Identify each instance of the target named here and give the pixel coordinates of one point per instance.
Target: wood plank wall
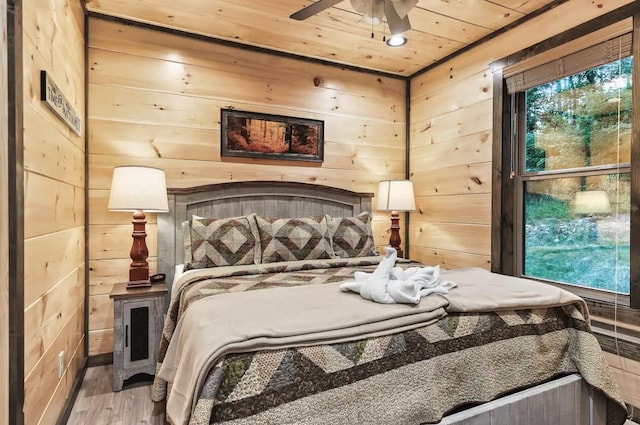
(450, 154)
(4, 222)
(155, 99)
(54, 190)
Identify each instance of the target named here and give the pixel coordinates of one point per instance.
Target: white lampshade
(138, 188)
(396, 195)
(592, 202)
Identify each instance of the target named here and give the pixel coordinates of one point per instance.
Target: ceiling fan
(373, 11)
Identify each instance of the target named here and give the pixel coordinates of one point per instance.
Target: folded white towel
(388, 284)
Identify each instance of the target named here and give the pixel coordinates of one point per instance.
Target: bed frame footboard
(565, 401)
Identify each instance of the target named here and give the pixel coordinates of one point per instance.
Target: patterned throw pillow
(291, 239)
(352, 236)
(219, 242)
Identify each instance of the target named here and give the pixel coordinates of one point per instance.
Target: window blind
(591, 57)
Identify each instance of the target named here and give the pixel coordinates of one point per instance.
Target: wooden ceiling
(439, 27)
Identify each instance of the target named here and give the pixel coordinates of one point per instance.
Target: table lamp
(592, 202)
(138, 189)
(396, 196)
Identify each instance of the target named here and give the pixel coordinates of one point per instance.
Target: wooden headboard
(266, 198)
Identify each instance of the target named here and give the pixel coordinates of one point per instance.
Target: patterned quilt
(413, 377)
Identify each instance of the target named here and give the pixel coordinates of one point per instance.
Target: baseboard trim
(71, 400)
(100, 360)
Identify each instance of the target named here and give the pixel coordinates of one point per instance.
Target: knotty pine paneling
(460, 180)
(184, 173)
(49, 314)
(450, 98)
(472, 208)
(42, 380)
(4, 223)
(428, 130)
(100, 312)
(199, 53)
(51, 257)
(54, 208)
(460, 237)
(489, 14)
(50, 152)
(51, 205)
(454, 152)
(451, 259)
(451, 116)
(101, 341)
(155, 99)
(108, 68)
(426, 20)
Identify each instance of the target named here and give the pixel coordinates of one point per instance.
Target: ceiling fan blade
(397, 25)
(372, 11)
(312, 9)
(403, 6)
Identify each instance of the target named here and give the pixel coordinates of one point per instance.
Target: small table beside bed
(259, 332)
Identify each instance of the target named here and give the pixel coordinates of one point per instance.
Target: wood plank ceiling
(439, 27)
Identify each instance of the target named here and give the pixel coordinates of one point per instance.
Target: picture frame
(269, 136)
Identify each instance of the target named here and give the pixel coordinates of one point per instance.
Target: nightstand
(138, 317)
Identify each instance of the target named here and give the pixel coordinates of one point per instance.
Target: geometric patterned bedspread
(412, 377)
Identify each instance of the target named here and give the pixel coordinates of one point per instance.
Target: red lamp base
(394, 239)
(139, 269)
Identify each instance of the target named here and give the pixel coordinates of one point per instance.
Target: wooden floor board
(101, 406)
(97, 404)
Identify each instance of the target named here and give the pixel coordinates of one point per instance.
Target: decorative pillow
(186, 238)
(213, 242)
(352, 236)
(291, 239)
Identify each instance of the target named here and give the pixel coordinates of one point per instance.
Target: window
(575, 153)
(566, 183)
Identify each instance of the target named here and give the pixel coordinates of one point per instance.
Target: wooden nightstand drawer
(138, 316)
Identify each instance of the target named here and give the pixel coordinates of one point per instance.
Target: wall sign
(55, 100)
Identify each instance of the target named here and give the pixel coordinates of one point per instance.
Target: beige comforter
(481, 290)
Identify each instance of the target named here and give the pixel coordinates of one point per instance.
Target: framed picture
(254, 135)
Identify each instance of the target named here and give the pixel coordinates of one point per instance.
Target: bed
(496, 350)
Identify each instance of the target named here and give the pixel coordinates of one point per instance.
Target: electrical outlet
(60, 364)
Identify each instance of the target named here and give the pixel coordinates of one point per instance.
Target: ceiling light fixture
(396, 40)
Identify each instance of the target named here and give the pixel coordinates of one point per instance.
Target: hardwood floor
(97, 404)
